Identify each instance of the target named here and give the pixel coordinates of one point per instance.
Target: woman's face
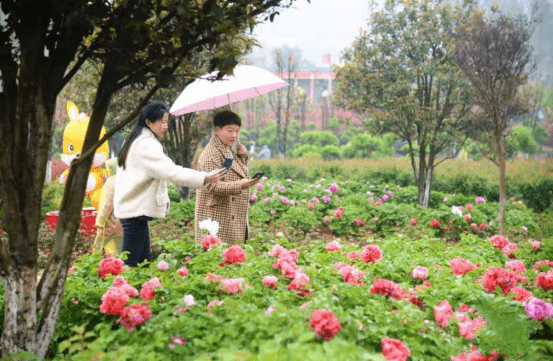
(228, 134)
(159, 127)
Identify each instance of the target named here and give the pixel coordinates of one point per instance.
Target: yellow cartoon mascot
(73, 139)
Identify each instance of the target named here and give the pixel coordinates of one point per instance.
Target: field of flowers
(335, 270)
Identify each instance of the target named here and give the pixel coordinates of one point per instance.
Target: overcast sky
(318, 28)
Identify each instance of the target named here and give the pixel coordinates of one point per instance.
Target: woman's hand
(247, 183)
(215, 175)
(242, 151)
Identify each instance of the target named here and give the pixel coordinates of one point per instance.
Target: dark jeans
(136, 240)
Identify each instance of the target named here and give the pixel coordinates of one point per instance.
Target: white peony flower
(211, 226)
(189, 300)
(457, 211)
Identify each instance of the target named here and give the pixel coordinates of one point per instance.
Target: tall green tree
(400, 71)
(42, 46)
(495, 54)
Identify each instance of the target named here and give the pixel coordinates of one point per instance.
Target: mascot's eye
(70, 148)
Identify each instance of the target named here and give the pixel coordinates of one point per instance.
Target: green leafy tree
(401, 72)
(495, 55)
(42, 46)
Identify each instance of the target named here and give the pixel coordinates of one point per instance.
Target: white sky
(317, 28)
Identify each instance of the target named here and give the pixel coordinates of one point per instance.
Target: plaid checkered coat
(223, 201)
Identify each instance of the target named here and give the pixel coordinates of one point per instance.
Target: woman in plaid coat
(225, 201)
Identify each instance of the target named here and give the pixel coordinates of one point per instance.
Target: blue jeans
(136, 240)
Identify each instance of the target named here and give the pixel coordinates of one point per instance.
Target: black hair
(153, 111)
(226, 117)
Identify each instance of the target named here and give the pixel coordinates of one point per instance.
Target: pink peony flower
(414, 222)
(468, 328)
(474, 226)
(334, 187)
(538, 309)
(110, 265)
(545, 281)
(420, 273)
(215, 303)
(183, 271)
(235, 254)
(542, 265)
(284, 200)
(326, 199)
(300, 283)
(282, 188)
(119, 281)
(442, 313)
(482, 226)
(310, 206)
(147, 292)
(189, 300)
(371, 254)
(469, 207)
(277, 251)
(292, 202)
(434, 223)
(535, 245)
(114, 301)
(232, 285)
(266, 200)
(479, 200)
(162, 265)
(351, 274)
(212, 277)
(269, 310)
(259, 186)
(394, 350)
(516, 265)
(468, 218)
(134, 315)
(522, 294)
(209, 240)
(461, 266)
(253, 197)
(333, 246)
(270, 281)
(353, 255)
(324, 324)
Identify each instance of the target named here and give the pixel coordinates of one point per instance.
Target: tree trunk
(428, 181)
(421, 180)
(27, 113)
(502, 185)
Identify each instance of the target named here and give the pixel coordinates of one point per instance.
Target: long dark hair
(152, 111)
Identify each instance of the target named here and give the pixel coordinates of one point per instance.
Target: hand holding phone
(258, 175)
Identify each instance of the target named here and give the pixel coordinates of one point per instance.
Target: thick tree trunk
(421, 179)
(428, 181)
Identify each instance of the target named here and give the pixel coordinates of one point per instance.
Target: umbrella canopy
(247, 82)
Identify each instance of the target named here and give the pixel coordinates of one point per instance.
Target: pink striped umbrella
(204, 93)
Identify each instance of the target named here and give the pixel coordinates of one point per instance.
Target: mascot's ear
(72, 110)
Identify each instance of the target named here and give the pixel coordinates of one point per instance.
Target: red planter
(88, 220)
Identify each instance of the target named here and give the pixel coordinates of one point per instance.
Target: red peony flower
(494, 277)
(461, 266)
(482, 226)
(545, 281)
(394, 350)
(183, 271)
(351, 274)
(434, 223)
(442, 313)
(542, 265)
(209, 240)
(517, 266)
(324, 324)
(468, 218)
(499, 242)
(235, 254)
(468, 328)
(387, 288)
(110, 265)
(353, 255)
(414, 222)
(333, 246)
(212, 277)
(371, 254)
(134, 315)
(114, 301)
(277, 251)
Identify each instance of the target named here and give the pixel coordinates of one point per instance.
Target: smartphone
(258, 175)
(227, 162)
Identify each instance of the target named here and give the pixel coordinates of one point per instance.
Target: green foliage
(319, 138)
(366, 145)
(330, 152)
(521, 139)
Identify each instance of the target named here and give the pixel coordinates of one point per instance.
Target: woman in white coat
(141, 181)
